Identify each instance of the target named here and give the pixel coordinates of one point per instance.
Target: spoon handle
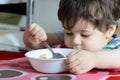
(47, 46)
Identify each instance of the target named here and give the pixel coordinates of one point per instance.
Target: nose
(77, 40)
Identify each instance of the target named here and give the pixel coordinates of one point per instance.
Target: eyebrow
(85, 31)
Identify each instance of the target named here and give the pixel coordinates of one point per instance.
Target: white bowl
(48, 65)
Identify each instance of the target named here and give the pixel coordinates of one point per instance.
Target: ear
(111, 30)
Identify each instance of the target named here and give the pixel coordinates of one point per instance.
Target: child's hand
(33, 35)
(81, 61)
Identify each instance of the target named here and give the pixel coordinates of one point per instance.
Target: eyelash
(70, 34)
(85, 35)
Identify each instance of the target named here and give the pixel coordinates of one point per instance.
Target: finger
(70, 59)
(37, 33)
(31, 26)
(80, 69)
(72, 56)
(72, 53)
(71, 65)
(77, 70)
(41, 35)
(35, 30)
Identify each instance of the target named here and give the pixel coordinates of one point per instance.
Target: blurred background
(45, 14)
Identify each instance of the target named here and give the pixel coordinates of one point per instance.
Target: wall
(45, 14)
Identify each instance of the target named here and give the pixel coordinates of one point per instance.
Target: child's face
(89, 38)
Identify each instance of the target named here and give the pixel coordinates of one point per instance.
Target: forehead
(81, 24)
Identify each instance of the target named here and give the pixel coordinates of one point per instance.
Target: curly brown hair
(100, 12)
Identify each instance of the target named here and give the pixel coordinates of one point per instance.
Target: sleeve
(115, 43)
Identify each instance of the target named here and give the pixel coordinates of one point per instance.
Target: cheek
(67, 41)
(94, 45)
(91, 46)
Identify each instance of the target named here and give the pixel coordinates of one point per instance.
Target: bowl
(48, 65)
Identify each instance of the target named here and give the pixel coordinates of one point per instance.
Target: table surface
(19, 66)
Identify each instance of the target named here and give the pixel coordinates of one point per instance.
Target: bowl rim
(51, 59)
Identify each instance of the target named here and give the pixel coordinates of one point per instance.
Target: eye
(83, 35)
(69, 33)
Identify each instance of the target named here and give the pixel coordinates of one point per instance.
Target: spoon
(55, 55)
